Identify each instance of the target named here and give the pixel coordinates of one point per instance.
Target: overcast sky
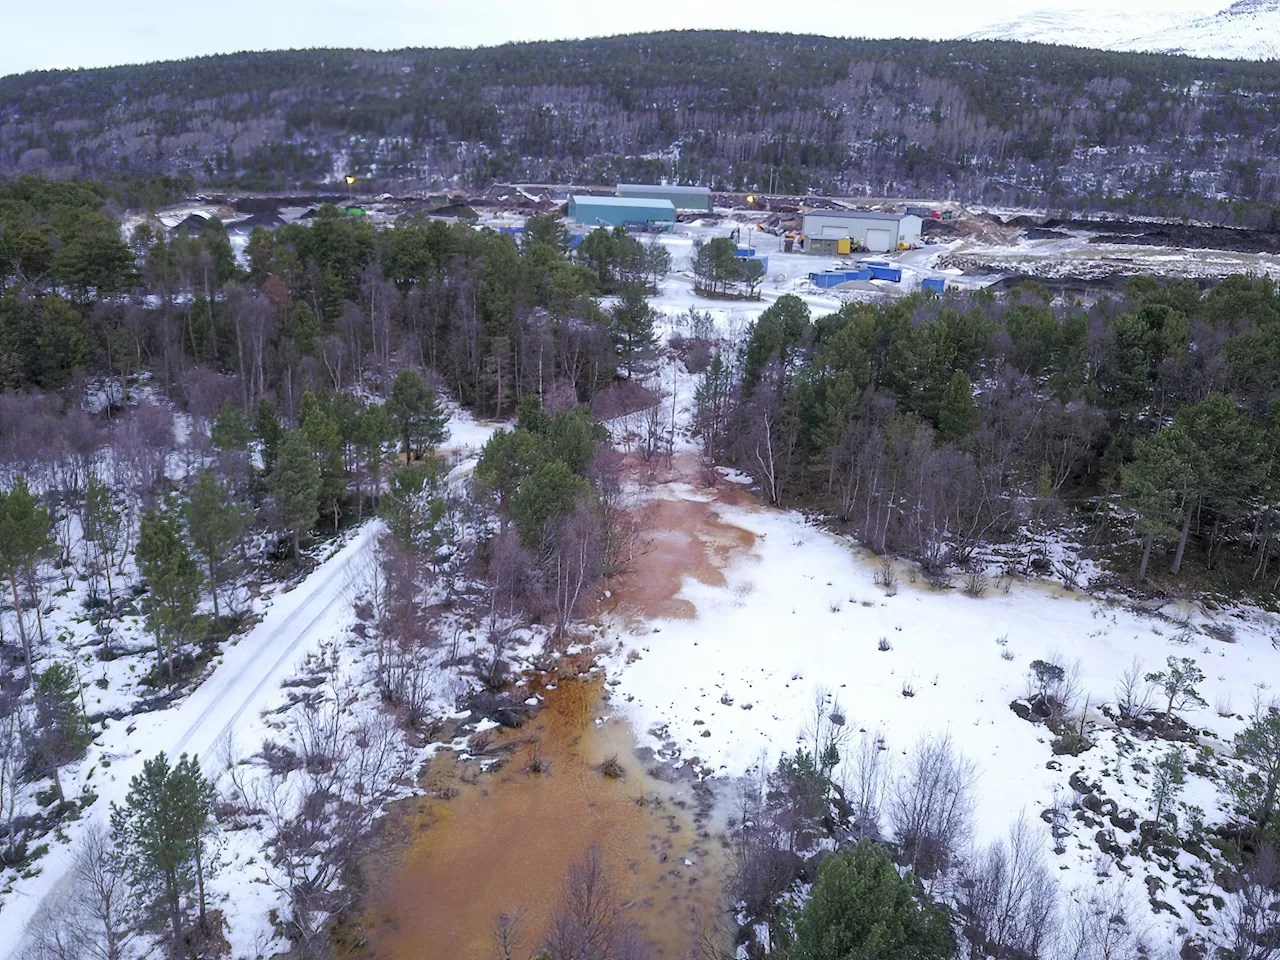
(85, 33)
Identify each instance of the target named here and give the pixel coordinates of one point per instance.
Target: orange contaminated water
(503, 842)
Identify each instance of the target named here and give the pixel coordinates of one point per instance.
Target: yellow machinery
(844, 247)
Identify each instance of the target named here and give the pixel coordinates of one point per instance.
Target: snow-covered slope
(1246, 30)
(1073, 28)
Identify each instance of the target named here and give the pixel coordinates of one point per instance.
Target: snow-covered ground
(802, 610)
(1074, 255)
(227, 705)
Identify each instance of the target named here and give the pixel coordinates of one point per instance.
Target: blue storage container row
(833, 278)
(933, 286)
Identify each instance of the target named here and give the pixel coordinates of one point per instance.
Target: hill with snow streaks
(1246, 30)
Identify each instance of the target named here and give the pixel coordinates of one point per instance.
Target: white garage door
(880, 240)
(834, 232)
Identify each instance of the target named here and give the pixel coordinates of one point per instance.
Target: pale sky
(86, 33)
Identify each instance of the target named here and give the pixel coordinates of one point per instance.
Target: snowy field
(802, 610)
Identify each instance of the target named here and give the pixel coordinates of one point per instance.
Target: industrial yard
(814, 246)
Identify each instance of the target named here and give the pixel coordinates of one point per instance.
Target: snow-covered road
(228, 703)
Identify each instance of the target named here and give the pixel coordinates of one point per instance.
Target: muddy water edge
(480, 843)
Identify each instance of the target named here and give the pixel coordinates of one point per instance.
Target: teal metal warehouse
(622, 212)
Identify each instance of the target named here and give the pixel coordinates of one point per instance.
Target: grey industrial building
(833, 232)
(689, 199)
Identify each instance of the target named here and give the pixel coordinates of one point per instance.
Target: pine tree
(956, 415)
(103, 529)
(544, 497)
(417, 411)
(631, 329)
(195, 804)
(1170, 778)
(62, 732)
(173, 584)
(320, 428)
(266, 427)
(1256, 788)
(215, 523)
(1149, 487)
(295, 484)
(374, 429)
(862, 908)
(164, 832)
(1228, 463)
(507, 459)
(232, 430)
(24, 542)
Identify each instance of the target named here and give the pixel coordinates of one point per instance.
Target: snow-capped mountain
(1072, 28)
(1246, 30)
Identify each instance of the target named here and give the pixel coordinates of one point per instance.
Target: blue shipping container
(882, 271)
(933, 286)
(833, 278)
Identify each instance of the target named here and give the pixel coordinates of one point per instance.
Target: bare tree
(14, 756)
(97, 919)
(577, 560)
(508, 934)
(932, 806)
(1133, 694)
(1008, 898)
(826, 729)
(1249, 927)
(407, 639)
(589, 923)
(317, 799)
(864, 779)
(1103, 926)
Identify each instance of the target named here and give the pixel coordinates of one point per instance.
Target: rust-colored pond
(503, 842)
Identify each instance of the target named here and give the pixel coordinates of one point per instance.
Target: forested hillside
(1000, 122)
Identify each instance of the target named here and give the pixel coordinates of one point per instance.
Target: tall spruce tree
(417, 411)
(295, 484)
(173, 585)
(215, 522)
(631, 330)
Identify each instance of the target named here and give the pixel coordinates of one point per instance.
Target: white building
(824, 231)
